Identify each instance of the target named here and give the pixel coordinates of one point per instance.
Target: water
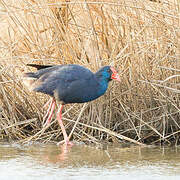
(48, 161)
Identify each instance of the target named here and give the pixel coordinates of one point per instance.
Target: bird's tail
(38, 67)
(29, 79)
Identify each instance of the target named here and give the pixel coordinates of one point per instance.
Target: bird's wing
(77, 91)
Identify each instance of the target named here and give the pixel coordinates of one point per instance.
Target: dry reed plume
(141, 38)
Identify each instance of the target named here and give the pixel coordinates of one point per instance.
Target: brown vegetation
(139, 37)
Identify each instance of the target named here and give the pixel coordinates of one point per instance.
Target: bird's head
(108, 73)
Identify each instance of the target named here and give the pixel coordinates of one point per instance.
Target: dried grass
(140, 38)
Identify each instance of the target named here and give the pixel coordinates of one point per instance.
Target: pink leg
(50, 110)
(59, 118)
(47, 103)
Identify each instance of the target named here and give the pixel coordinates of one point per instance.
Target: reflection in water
(60, 155)
(87, 162)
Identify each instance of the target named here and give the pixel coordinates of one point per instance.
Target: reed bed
(141, 38)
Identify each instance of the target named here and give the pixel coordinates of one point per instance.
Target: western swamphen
(68, 84)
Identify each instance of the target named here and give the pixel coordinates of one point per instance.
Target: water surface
(48, 161)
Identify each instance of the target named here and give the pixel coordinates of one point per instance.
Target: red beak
(114, 75)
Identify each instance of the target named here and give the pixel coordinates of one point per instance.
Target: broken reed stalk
(139, 38)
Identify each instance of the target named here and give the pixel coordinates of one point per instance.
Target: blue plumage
(70, 83)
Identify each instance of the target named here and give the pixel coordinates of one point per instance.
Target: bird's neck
(103, 85)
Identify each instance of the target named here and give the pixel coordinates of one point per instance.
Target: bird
(71, 83)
